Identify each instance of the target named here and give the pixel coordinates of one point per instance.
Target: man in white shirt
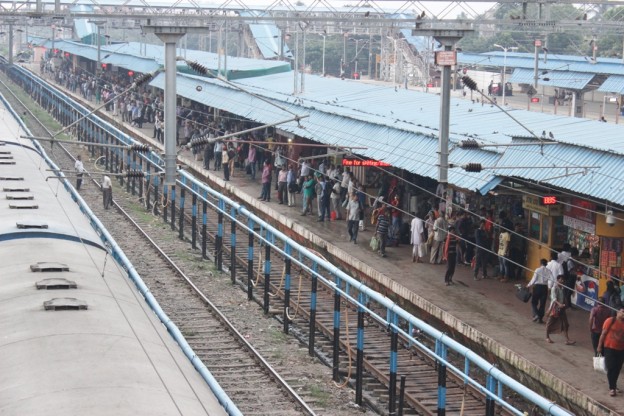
(539, 283)
(417, 239)
(556, 269)
(79, 167)
(107, 191)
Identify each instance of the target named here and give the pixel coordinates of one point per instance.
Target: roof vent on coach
(49, 266)
(23, 205)
(65, 304)
(19, 196)
(15, 189)
(29, 225)
(56, 284)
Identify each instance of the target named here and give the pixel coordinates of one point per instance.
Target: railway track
(420, 371)
(248, 378)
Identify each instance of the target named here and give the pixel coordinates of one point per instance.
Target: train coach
(76, 336)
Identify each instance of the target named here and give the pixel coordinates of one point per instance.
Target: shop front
(545, 228)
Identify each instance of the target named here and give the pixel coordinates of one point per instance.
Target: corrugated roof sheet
(561, 166)
(561, 79)
(268, 38)
(615, 84)
(409, 150)
(606, 66)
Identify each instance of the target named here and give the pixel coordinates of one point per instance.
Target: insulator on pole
(473, 167)
(469, 144)
(140, 148)
(133, 173)
(469, 82)
(197, 67)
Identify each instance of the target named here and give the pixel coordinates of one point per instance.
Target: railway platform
(485, 312)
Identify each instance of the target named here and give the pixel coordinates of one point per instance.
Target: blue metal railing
(355, 292)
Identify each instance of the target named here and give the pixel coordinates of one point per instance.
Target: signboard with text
(358, 162)
(446, 58)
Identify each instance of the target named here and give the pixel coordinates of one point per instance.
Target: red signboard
(446, 58)
(548, 200)
(358, 162)
(538, 43)
(535, 99)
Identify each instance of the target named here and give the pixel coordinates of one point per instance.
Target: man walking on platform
(482, 243)
(419, 248)
(439, 237)
(353, 218)
(107, 191)
(539, 283)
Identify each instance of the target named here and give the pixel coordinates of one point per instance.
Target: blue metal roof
(409, 150)
(615, 84)
(561, 79)
(401, 127)
(268, 38)
(606, 66)
(561, 165)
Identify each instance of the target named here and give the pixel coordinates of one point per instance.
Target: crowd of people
(492, 247)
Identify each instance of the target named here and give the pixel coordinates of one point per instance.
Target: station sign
(366, 163)
(535, 99)
(446, 58)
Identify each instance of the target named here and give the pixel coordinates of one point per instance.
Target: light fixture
(610, 218)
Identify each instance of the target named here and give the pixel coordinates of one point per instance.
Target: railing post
(148, 188)
(441, 352)
(394, 344)
(250, 259)
(141, 179)
(233, 245)
(194, 221)
(165, 203)
(312, 330)
(172, 202)
(219, 238)
(287, 271)
(204, 231)
(336, 350)
(267, 271)
(181, 216)
(402, 396)
(134, 179)
(490, 403)
(359, 361)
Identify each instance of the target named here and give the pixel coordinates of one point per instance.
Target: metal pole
(170, 40)
(402, 395)
(303, 66)
(204, 231)
(394, 343)
(323, 70)
(11, 44)
(504, 72)
(445, 103)
(296, 68)
(535, 67)
(99, 46)
(370, 55)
